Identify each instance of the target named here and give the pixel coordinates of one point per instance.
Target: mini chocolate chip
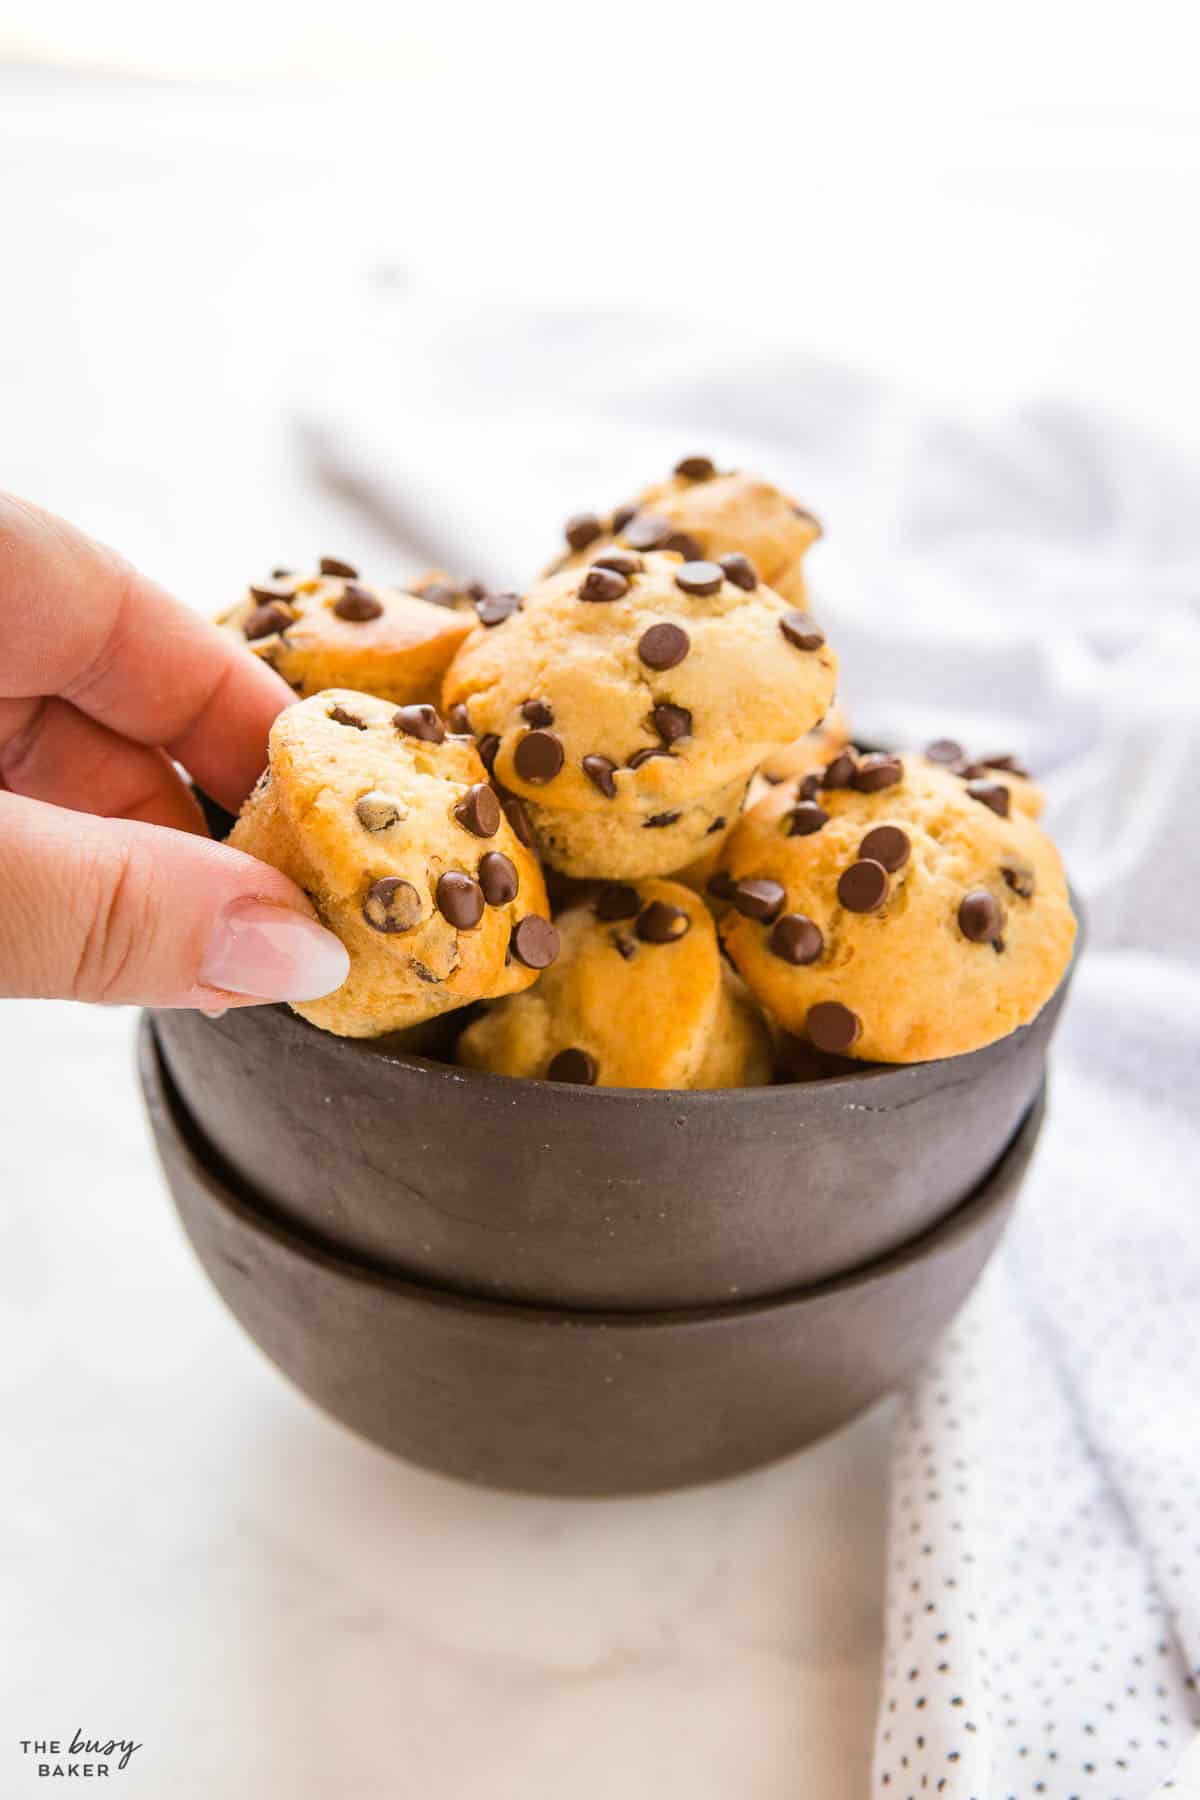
(718, 824)
(833, 1027)
(1008, 763)
(620, 562)
(513, 808)
(487, 747)
(671, 722)
(993, 794)
(808, 789)
(801, 631)
(662, 923)
(458, 721)
(685, 545)
(600, 770)
(534, 942)
(537, 712)
(617, 900)
(657, 821)
(645, 531)
(377, 811)
(863, 887)
(876, 772)
(643, 756)
(1019, 879)
(696, 468)
(758, 897)
(945, 750)
(740, 570)
(459, 899)
(498, 878)
(624, 945)
(621, 517)
(980, 917)
(391, 905)
(804, 819)
(840, 772)
(419, 722)
(479, 811)
(700, 577)
(333, 565)
(796, 939)
(266, 620)
(356, 605)
(600, 585)
(340, 716)
(275, 589)
(721, 885)
(281, 574)
(538, 756)
(582, 529)
(493, 609)
(663, 646)
(573, 1065)
(424, 973)
(888, 845)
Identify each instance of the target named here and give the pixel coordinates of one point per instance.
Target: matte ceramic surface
(573, 1403)
(593, 1197)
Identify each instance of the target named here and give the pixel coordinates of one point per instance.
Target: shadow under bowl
(562, 1402)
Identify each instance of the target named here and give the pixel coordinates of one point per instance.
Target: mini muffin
(892, 911)
(335, 630)
(628, 702)
(639, 997)
(703, 513)
(391, 827)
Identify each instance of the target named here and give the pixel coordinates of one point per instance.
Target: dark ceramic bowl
(620, 1198)
(572, 1402)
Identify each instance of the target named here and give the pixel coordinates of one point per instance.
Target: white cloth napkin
(1033, 584)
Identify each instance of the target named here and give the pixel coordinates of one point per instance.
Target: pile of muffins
(648, 736)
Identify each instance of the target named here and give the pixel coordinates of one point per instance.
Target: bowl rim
(170, 1117)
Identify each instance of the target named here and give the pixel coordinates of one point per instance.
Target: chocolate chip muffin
(627, 701)
(639, 997)
(703, 513)
(891, 910)
(390, 825)
(335, 630)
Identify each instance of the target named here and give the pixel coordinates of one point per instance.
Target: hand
(110, 888)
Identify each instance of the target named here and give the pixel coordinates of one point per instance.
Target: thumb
(108, 910)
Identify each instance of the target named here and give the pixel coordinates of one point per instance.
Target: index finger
(79, 621)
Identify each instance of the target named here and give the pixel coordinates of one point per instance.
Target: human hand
(110, 888)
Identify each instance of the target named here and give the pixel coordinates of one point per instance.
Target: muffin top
(335, 630)
(896, 912)
(637, 678)
(638, 997)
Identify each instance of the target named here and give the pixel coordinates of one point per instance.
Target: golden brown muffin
(391, 827)
(897, 912)
(639, 997)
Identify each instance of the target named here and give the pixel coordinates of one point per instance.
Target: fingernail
(273, 953)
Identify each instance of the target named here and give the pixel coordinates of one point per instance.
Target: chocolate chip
(740, 570)
(718, 824)
(685, 545)
(378, 812)
(538, 756)
(808, 789)
(624, 945)
(1006, 762)
(419, 722)
(266, 620)
(340, 716)
(663, 646)
(518, 818)
(696, 468)
(479, 811)
(888, 845)
(493, 609)
(1019, 878)
(662, 923)
(796, 939)
(863, 887)
(600, 585)
(621, 517)
(981, 917)
(801, 631)
(700, 577)
(583, 529)
(945, 750)
(620, 562)
(537, 712)
(721, 885)
(876, 772)
(281, 574)
(758, 897)
(617, 900)
(671, 722)
(534, 942)
(993, 794)
(275, 589)
(601, 771)
(643, 756)
(833, 1027)
(333, 565)
(487, 747)
(645, 531)
(840, 772)
(498, 878)
(459, 899)
(423, 973)
(357, 605)
(458, 721)
(391, 905)
(573, 1065)
(656, 821)
(804, 819)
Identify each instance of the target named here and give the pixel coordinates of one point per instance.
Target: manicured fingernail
(273, 953)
